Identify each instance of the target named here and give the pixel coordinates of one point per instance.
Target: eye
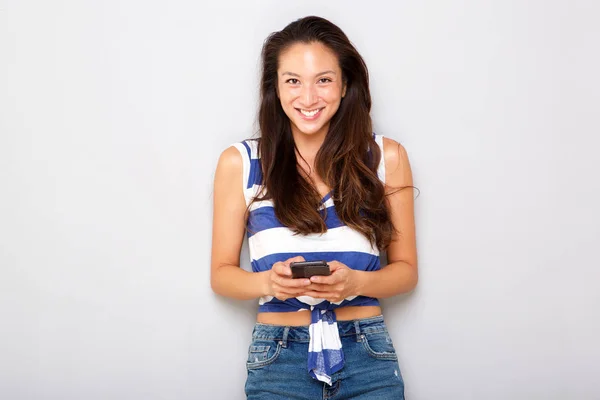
(325, 80)
(293, 81)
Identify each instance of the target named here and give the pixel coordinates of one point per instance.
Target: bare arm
(400, 275)
(229, 208)
(227, 278)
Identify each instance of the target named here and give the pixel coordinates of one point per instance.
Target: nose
(309, 95)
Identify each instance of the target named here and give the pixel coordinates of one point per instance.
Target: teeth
(309, 113)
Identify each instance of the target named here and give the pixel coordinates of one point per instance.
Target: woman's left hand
(342, 283)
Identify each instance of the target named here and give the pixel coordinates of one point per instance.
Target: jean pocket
(262, 353)
(379, 345)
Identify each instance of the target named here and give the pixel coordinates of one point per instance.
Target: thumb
(293, 259)
(335, 265)
(286, 264)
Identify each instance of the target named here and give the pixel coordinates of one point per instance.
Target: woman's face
(310, 87)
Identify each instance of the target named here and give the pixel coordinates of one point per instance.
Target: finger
(317, 287)
(323, 295)
(289, 261)
(293, 283)
(335, 265)
(326, 279)
(289, 282)
(317, 295)
(293, 259)
(283, 296)
(284, 267)
(281, 269)
(289, 291)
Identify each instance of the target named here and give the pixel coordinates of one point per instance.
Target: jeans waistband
(354, 327)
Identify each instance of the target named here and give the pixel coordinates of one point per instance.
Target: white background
(113, 115)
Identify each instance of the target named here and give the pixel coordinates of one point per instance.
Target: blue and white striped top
(270, 241)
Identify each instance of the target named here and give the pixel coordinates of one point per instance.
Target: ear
(344, 89)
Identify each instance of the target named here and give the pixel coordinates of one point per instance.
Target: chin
(312, 130)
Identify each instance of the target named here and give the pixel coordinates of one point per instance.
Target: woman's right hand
(279, 281)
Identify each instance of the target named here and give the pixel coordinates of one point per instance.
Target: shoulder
(231, 162)
(397, 164)
(231, 157)
(238, 153)
(394, 153)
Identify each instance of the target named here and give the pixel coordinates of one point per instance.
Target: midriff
(301, 318)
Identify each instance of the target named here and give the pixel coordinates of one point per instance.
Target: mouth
(309, 114)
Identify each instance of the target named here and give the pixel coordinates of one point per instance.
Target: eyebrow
(319, 74)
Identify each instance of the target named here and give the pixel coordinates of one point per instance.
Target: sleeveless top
(269, 241)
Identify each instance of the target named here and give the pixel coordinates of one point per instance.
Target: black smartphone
(306, 269)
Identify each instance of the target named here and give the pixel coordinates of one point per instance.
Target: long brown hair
(348, 158)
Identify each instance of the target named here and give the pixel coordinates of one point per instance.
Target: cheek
(331, 94)
(286, 96)
(286, 102)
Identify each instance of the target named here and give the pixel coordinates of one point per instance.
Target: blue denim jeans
(277, 366)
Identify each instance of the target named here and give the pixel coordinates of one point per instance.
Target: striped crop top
(269, 241)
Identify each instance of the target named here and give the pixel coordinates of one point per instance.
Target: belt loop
(284, 340)
(357, 330)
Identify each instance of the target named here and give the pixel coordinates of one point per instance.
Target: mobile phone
(306, 269)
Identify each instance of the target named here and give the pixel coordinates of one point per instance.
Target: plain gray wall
(113, 115)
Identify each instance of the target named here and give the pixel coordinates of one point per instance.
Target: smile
(310, 114)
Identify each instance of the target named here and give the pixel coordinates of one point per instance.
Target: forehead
(307, 58)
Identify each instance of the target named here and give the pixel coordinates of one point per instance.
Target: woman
(317, 185)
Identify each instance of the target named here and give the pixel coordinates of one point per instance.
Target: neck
(309, 145)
